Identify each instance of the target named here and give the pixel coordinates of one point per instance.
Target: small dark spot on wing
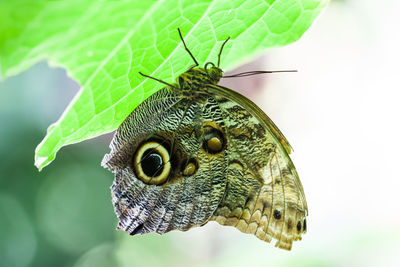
(277, 214)
(298, 226)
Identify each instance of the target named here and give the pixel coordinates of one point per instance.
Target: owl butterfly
(195, 152)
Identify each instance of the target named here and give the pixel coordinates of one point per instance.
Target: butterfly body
(194, 152)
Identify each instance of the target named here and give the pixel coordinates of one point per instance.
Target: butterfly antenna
(187, 49)
(256, 72)
(158, 80)
(220, 51)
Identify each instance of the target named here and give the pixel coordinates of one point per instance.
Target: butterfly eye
(214, 141)
(152, 163)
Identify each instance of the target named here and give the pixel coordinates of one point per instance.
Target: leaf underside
(103, 46)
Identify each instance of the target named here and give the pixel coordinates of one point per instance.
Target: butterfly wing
(242, 174)
(264, 195)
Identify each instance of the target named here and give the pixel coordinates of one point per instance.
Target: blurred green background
(340, 113)
(61, 216)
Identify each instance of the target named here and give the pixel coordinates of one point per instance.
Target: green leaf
(103, 45)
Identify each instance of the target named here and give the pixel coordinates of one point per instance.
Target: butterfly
(195, 152)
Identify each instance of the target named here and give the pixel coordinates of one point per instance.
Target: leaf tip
(41, 162)
(43, 159)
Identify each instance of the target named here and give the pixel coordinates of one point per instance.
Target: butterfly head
(198, 77)
(214, 73)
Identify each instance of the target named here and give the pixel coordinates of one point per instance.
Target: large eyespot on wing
(152, 163)
(264, 194)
